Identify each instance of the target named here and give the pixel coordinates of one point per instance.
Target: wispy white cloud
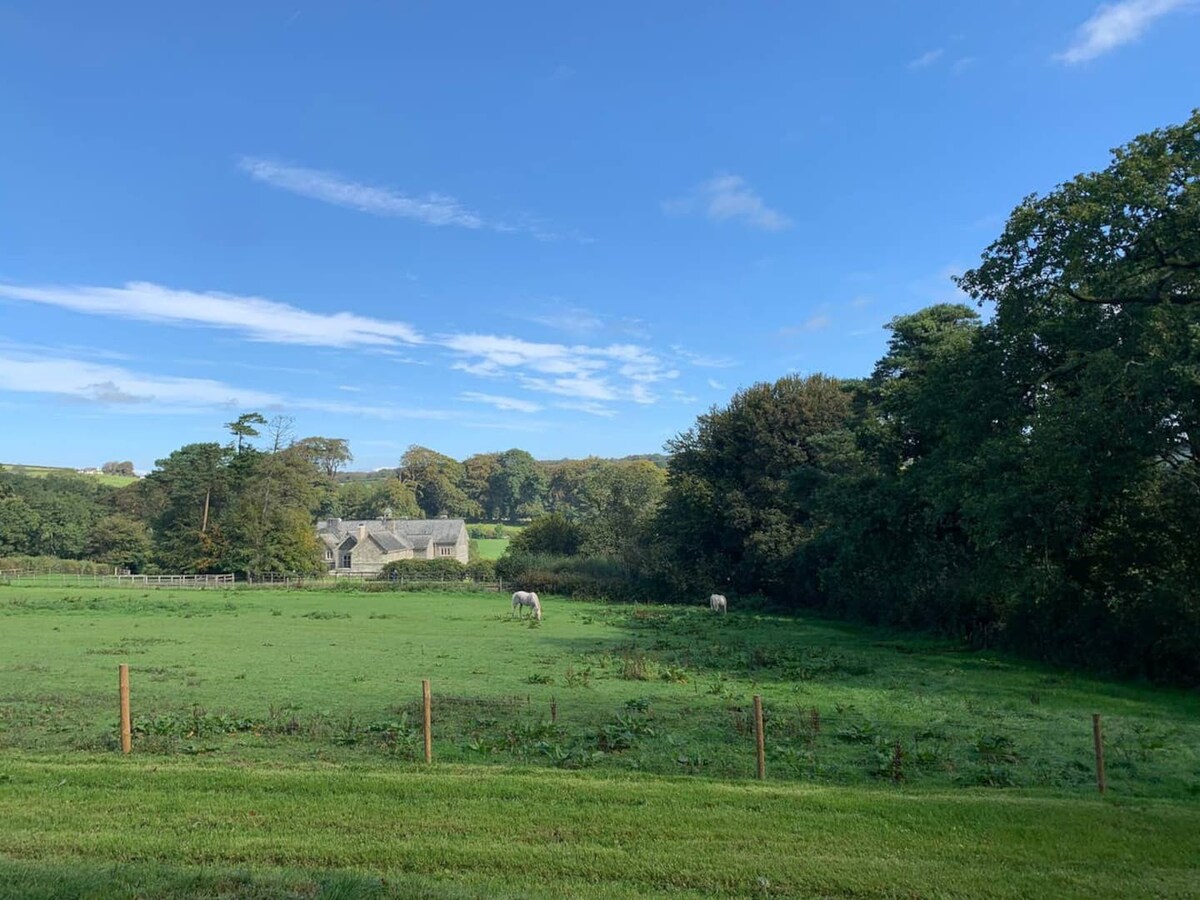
(809, 325)
(328, 187)
(503, 403)
(114, 386)
(862, 301)
(603, 374)
(571, 319)
(729, 198)
(121, 389)
(1114, 24)
(254, 317)
(683, 397)
(592, 372)
(430, 209)
(715, 385)
(372, 411)
(926, 59)
(702, 360)
(581, 322)
(588, 406)
(962, 64)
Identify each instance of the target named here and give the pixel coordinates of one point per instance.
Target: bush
(481, 570)
(598, 578)
(54, 565)
(424, 569)
(488, 532)
(554, 534)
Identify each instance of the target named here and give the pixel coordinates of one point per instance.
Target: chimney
(333, 524)
(362, 531)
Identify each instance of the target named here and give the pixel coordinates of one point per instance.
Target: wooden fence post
(427, 697)
(126, 726)
(759, 738)
(1098, 738)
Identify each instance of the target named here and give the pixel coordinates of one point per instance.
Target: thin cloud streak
(434, 209)
(113, 386)
(925, 60)
(506, 404)
(1116, 24)
(256, 318)
(119, 389)
(328, 187)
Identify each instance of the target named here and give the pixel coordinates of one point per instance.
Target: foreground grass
(171, 828)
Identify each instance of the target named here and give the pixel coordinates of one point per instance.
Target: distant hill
(43, 471)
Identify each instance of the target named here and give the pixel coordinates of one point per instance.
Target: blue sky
(564, 227)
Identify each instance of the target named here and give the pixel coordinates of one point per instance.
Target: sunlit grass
(278, 753)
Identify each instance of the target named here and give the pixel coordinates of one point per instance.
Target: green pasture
(43, 471)
(277, 752)
(490, 548)
(263, 675)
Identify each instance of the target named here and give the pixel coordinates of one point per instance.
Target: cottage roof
(392, 534)
(388, 542)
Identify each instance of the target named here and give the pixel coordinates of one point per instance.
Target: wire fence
(1071, 751)
(38, 578)
(45, 578)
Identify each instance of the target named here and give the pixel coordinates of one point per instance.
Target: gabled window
(345, 560)
(445, 550)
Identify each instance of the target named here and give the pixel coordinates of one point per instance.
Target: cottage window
(329, 554)
(345, 560)
(445, 550)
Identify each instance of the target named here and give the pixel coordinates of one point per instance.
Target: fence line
(35, 577)
(63, 579)
(892, 759)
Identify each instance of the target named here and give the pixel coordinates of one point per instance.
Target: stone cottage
(365, 546)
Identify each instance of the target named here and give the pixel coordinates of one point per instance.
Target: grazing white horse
(530, 599)
(717, 603)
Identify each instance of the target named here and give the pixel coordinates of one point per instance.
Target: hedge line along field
(606, 751)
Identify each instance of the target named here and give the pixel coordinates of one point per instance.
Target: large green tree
(188, 494)
(436, 480)
(735, 514)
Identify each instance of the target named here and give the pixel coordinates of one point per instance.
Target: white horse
(717, 603)
(530, 599)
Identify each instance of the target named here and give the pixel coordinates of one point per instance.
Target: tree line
(248, 505)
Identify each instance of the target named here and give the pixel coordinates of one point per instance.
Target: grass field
(277, 741)
(43, 471)
(490, 548)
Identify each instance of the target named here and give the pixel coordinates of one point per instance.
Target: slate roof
(392, 534)
(388, 542)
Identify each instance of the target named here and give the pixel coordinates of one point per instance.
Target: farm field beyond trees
(277, 737)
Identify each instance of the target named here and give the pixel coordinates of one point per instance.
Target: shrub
(598, 578)
(487, 532)
(481, 570)
(427, 569)
(554, 534)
